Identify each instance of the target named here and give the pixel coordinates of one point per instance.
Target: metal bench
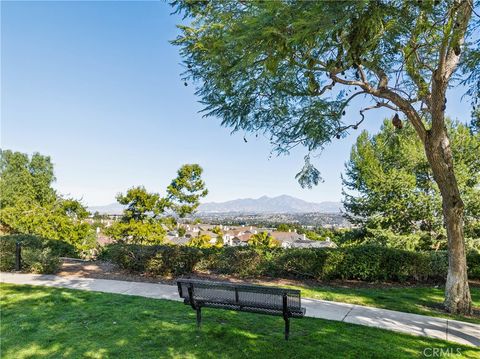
(247, 298)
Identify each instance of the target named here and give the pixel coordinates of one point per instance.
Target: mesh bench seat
(241, 297)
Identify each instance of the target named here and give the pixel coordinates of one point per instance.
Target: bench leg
(287, 327)
(199, 315)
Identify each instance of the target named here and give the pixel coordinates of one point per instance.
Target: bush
(50, 248)
(132, 257)
(437, 265)
(174, 260)
(58, 247)
(40, 261)
(241, 261)
(363, 262)
(302, 264)
(7, 255)
(473, 261)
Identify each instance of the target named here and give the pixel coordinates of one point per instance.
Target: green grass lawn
(417, 299)
(52, 322)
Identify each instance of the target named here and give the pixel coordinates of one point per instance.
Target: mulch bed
(106, 270)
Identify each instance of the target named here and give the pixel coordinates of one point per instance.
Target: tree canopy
(29, 204)
(263, 239)
(388, 182)
(291, 69)
(201, 241)
(140, 203)
(25, 179)
(144, 219)
(185, 191)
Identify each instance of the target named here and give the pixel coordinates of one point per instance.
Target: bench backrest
(239, 294)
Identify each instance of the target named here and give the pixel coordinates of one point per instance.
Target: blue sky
(96, 85)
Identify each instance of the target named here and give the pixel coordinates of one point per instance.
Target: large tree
(291, 68)
(388, 181)
(140, 222)
(144, 217)
(30, 205)
(139, 203)
(185, 190)
(25, 179)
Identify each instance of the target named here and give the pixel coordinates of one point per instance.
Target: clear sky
(96, 86)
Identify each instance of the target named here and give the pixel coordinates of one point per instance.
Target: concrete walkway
(452, 330)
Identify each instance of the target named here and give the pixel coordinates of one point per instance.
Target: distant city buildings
(240, 235)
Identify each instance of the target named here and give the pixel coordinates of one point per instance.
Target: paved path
(452, 330)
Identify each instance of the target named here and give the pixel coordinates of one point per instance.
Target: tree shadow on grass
(425, 300)
(52, 322)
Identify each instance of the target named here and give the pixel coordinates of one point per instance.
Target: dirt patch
(100, 270)
(107, 270)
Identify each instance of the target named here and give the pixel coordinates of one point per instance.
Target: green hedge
(39, 255)
(473, 261)
(40, 261)
(7, 255)
(157, 259)
(363, 262)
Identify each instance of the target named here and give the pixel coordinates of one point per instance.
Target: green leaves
(309, 175)
(29, 204)
(147, 231)
(140, 204)
(25, 179)
(186, 189)
(388, 182)
(263, 239)
(51, 221)
(266, 66)
(201, 241)
(141, 222)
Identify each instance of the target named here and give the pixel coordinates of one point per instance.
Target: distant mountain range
(264, 204)
(112, 208)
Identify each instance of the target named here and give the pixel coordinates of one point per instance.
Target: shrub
(437, 265)
(301, 263)
(132, 257)
(50, 248)
(473, 261)
(173, 260)
(58, 247)
(241, 261)
(7, 255)
(40, 261)
(364, 262)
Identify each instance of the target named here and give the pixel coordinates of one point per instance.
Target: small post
(286, 316)
(18, 256)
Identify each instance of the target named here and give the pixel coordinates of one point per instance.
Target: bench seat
(242, 297)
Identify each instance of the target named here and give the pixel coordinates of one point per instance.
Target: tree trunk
(439, 154)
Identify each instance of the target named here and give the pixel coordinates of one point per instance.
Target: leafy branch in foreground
(291, 69)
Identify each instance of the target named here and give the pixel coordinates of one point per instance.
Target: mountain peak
(264, 204)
